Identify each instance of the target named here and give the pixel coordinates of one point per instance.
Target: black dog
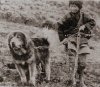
(23, 54)
(29, 56)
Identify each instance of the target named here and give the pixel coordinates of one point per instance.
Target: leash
(41, 47)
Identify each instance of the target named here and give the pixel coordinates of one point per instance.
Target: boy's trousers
(71, 49)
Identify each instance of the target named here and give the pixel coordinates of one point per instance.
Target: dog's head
(18, 43)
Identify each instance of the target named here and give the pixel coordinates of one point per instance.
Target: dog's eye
(13, 45)
(18, 36)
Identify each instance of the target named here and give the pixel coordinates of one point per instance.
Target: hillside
(29, 16)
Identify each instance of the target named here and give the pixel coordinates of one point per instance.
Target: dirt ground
(59, 63)
(28, 16)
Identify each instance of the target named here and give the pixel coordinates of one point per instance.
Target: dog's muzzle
(20, 51)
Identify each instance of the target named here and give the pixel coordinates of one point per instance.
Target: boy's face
(73, 8)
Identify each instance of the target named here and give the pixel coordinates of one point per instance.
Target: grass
(29, 16)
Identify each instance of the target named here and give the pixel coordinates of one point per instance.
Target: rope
(41, 47)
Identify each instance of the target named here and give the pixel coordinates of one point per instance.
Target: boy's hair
(78, 3)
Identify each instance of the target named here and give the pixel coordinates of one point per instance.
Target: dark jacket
(69, 23)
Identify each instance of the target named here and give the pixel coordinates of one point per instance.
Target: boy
(73, 23)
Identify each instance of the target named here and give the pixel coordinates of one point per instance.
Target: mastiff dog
(30, 56)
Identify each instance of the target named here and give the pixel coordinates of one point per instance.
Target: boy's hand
(65, 41)
(82, 28)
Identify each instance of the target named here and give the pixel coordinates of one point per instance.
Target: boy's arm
(62, 26)
(60, 31)
(89, 22)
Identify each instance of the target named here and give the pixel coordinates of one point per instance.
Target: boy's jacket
(68, 25)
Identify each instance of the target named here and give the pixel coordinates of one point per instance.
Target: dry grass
(26, 15)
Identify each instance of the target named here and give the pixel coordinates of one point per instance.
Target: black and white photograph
(49, 43)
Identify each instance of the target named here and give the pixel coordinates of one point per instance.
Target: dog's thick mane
(22, 57)
(28, 45)
(37, 44)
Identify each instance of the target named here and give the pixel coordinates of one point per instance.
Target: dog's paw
(46, 86)
(24, 84)
(23, 80)
(31, 83)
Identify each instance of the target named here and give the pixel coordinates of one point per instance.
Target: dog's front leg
(21, 73)
(33, 73)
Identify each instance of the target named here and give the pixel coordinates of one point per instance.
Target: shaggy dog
(30, 56)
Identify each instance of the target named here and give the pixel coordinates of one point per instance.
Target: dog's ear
(9, 39)
(28, 42)
(30, 46)
(25, 41)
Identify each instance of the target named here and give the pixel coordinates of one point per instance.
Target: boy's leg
(80, 70)
(72, 55)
